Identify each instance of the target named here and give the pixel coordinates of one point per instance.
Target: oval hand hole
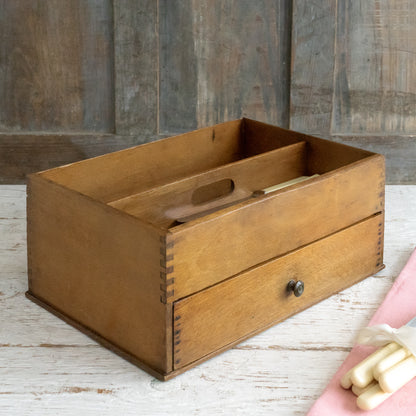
(213, 191)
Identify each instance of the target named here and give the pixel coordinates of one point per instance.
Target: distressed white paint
(49, 368)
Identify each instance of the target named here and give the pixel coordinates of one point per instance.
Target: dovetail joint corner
(166, 270)
(177, 329)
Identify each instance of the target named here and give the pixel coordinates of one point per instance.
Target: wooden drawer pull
(296, 287)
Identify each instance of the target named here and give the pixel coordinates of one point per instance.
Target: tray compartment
(162, 205)
(323, 155)
(117, 175)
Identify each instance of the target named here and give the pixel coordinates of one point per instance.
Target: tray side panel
(127, 172)
(215, 247)
(325, 155)
(100, 268)
(230, 310)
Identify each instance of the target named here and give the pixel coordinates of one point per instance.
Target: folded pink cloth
(397, 309)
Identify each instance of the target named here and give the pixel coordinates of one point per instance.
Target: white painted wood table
(49, 368)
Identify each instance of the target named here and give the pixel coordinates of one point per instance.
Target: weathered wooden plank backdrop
(83, 77)
(220, 60)
(353, 77)
(56, 66)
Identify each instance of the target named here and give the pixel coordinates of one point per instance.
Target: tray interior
(193, 196)
(166, 180)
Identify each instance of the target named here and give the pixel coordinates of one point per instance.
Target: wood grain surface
(223, 60)
(116, 275)
(49, 368)
(163, 205)
(139, 70)
(374, 69)
(314, 209)
(257, 298)
(136, 66)
(22, 154)
(56, 66)
(135, 170)
(313, 34)
(56, 85)
(352, 77)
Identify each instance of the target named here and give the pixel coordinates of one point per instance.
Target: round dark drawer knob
(296, 287)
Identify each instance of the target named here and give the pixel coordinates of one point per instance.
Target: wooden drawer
(228, 312)
(131, 245)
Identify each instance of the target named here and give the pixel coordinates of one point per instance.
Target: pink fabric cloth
(397, 309)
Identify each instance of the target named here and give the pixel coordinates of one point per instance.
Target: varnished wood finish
(163, 205)
(116, 269)
(225, 243)
(111, 345)
(137, 169)
(323, 155)
(100, 268)
(230, 310)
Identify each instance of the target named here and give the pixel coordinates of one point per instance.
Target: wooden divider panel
(163, 205)
(323, 155)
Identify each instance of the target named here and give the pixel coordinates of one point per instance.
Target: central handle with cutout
(212, 192)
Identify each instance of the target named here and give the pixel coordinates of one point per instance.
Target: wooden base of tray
(138, 363)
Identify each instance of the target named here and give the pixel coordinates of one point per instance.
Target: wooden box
(107, 253)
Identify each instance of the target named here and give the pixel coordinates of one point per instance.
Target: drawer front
(245, 304)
